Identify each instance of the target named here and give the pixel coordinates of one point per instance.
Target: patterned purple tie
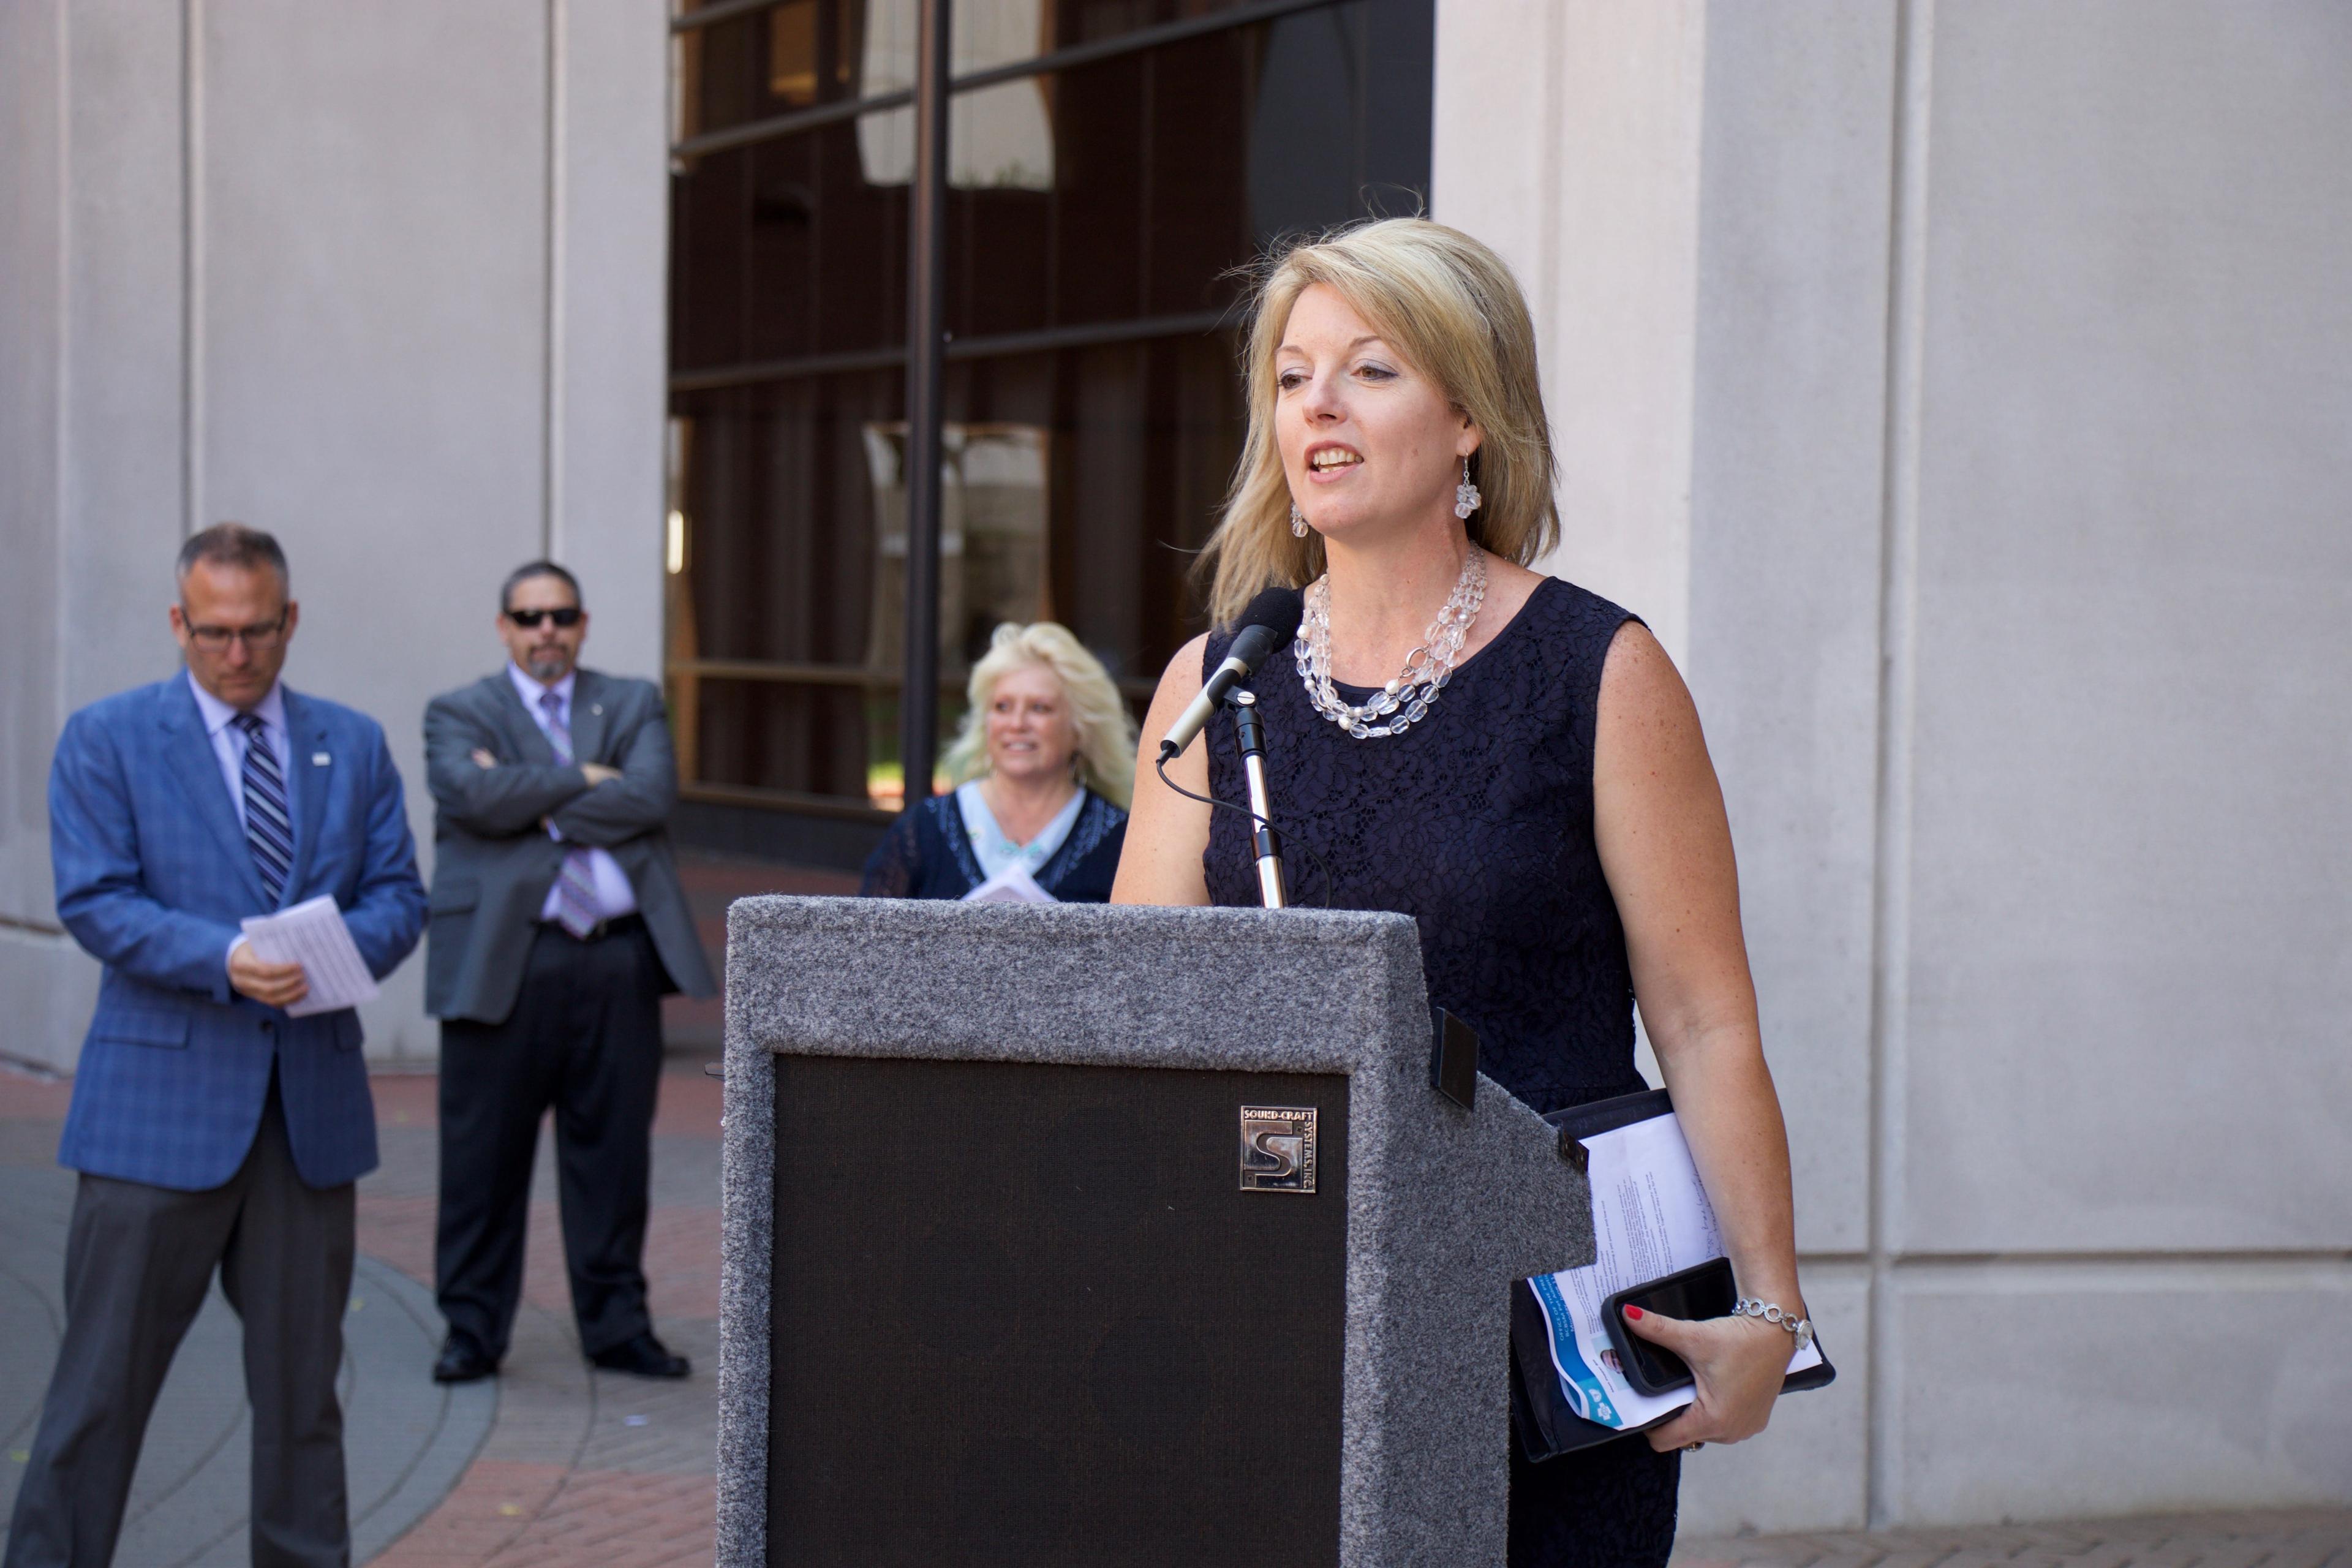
(576, 909)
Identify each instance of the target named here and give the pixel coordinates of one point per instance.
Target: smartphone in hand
(1706, 1291)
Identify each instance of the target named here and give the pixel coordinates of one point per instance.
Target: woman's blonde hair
(1104, 730)
(1447, 304)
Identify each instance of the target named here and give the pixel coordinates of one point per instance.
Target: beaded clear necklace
(1405, 700)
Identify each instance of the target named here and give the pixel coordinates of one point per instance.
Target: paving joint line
(440, 1413)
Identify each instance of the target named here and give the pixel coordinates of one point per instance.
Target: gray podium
(1022, 1263)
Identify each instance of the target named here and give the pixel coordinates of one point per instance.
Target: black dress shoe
(463, 1360)
(645, 1356)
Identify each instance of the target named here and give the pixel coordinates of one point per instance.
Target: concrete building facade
(1958, 386)
(385, 279)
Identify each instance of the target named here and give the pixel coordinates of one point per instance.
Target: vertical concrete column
(1567, 136)
(32, 476)
(98, 469)
(608, 314)
(1789, 574)
(39, 968)
(2123, 978)
(374, 263)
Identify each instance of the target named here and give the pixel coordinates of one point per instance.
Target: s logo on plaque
(1277, 1148)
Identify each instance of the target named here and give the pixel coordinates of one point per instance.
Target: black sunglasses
(529, 619)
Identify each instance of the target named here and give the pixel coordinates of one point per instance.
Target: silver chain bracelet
(1800, 1329)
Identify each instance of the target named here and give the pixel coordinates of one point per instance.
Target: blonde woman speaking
(1506, 757)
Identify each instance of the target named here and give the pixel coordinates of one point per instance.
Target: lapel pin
(597, 708)
(319, 759)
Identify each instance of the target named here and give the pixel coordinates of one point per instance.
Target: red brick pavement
(611, 1518)
(681, 1253)
(580, 1467)
(526, 1516)
(688, 1106)
(27, 1097)
(492, 1508)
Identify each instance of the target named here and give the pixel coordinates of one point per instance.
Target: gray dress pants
(138, 1262)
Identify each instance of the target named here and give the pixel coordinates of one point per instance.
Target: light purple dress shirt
(614, 896)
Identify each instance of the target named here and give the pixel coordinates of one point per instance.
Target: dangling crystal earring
(1466, 499)
(1297, 521)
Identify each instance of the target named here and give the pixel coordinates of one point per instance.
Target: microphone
(1270, 623)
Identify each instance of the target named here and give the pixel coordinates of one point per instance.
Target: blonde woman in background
(1044, 766)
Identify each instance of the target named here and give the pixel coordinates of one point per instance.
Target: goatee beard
(547, 671)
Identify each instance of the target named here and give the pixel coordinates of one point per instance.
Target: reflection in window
(993, 525)
(757, 65)
(798, 55)
(992, 535)
(999, 137)
(681, 645)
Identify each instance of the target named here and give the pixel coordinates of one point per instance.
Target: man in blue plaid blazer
(211, 1129)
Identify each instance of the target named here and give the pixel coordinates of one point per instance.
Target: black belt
(619, 925)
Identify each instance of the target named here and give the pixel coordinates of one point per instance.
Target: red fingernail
(1634, 1313)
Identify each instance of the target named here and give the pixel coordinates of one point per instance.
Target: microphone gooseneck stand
(1266, 626)
(1251, 735)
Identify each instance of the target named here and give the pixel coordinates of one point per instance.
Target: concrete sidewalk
(551, 1462)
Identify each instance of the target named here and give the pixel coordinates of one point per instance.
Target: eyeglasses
(215, 639)
(529, 619)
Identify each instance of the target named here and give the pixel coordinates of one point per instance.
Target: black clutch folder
(1545, 1423)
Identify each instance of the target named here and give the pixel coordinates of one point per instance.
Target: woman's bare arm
(1167, 834)
(1665, 848)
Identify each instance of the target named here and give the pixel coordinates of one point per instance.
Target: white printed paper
(314, 935)
(1014, 885)
(1649, 1218)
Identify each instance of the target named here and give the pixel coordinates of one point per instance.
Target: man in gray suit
(557, 924)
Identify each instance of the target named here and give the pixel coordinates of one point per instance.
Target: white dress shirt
(614, 896)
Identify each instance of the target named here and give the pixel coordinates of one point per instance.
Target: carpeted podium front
(1023, 1265)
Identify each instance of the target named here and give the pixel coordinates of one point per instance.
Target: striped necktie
(576, 909)
(267, 833)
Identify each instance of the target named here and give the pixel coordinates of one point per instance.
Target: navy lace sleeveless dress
(1478, 822)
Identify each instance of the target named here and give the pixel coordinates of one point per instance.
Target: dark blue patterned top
(928, 855)
(1478, 822)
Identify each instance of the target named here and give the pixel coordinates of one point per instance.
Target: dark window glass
(762, 64)
(779, 502)
(1095, 217)
(782, 249)
(774, 61)
(789, 737)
